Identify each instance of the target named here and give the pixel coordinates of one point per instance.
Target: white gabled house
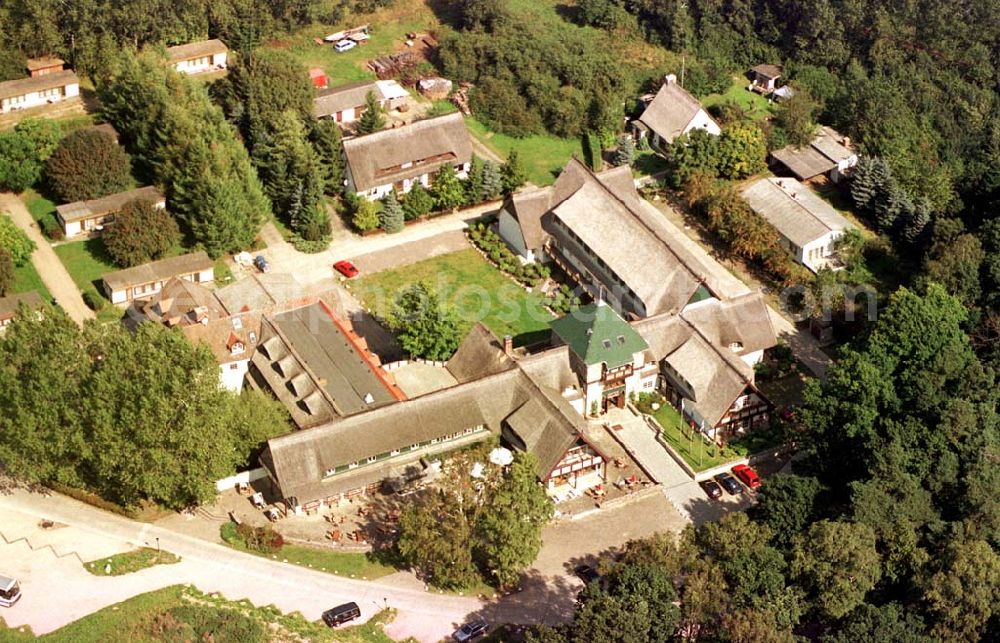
(142, 282)
(199, 57)
(48, 83)
(671, 113)
(90, 217)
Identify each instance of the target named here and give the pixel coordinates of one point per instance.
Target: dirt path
(46, 262)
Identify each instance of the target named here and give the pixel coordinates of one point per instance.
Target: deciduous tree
(838, 564)
(417, 202)
(17, 244)
(426, 327)
(434, 537)
(447, 188)
(7, 274)
(509, 525)
(88, 164)
(140, 233)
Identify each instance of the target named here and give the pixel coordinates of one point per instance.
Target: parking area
(686, 496)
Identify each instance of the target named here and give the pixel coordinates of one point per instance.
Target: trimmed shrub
(261, 539)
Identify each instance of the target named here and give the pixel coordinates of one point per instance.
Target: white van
(344, 45)
(10, 591)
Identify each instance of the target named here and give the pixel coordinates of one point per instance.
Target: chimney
(846, 142)
(670, 79)
(508, 345)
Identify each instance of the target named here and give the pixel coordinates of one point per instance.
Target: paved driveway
(46, 262)
(416, 241)
(684, 494)
(58, 590)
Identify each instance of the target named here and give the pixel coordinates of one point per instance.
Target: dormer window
(606, 343)
(621, 340)
(235, 345)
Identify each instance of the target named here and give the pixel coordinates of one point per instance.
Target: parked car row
(350, 611)
(713, 488)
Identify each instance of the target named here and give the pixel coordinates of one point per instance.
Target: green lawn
(42, 210)
(86, 261)
(26, 278)
(355, 565)
(700, 454)
(755, 105)
(388, 29)
(543, 156)
(182, 613)
(474, 286)
(130, 561)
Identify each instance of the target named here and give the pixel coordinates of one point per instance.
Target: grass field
(86, 261)
(754, 105)
(543, 156)
(181, 613)
(388, 31)
(477, 290)
(696, 451)
(42, 210)
(130, 561)
(26, 278)
(355, 565)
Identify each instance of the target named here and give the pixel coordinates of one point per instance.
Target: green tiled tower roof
(596, 333)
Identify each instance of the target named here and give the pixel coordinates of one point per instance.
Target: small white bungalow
(141, 282)
(809, 226)
(51, 87)
(199, 57)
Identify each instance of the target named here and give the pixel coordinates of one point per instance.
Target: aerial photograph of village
(541, 321)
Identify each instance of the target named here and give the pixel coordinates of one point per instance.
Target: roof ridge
(717, 350)
(387, 133)
(699, 278)
(777, 181)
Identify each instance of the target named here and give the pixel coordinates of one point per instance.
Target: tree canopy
(132, 417)
(88, 164)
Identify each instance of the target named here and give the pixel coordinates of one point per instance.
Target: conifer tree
(391, 216)
(373, 118)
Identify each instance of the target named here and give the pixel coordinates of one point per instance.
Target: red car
(747, 475)
(346, 268)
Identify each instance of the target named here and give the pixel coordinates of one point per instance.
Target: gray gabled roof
(157, 271)
(479, 355)
(10, 303)
(794, 210)
(299, 461)
(631, 237)
(378, 159)
(823, 154)
(336, 99)
(79, 210)
(670, 111)
(340, 379)
(194, 50)
(23, 86)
